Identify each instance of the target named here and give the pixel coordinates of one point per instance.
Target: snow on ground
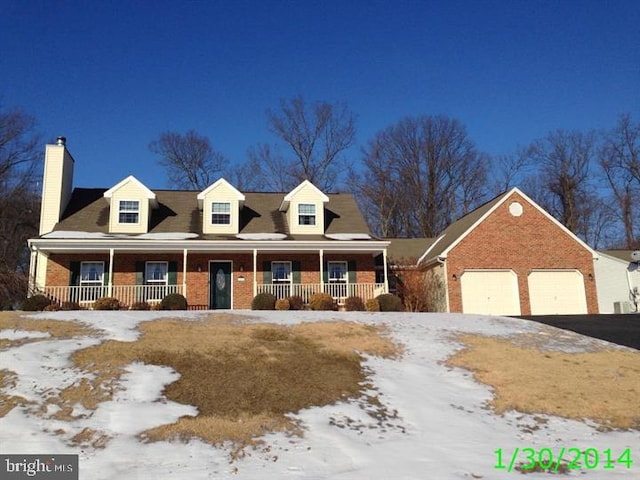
(441, 430)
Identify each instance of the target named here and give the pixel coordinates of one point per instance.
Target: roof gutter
(86, 245)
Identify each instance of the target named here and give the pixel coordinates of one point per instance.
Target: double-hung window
(91, 281)
(337, 272)
(337, 276)
(156, 278)
(281, 278)
(129, 211)
(306, 214)
(221, 213)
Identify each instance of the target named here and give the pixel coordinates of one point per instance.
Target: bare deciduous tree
(312, 138)
(19, 201)
(419, 175)
(564, 160)
(620, 160)
(190, 160)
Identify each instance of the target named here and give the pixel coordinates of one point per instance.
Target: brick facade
(520, 243)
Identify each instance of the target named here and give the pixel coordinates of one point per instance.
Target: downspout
(442, 262)
(110, 284)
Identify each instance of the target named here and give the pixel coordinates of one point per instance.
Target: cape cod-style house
(218, 247)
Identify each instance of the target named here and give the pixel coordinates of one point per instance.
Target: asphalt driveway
(620, 329)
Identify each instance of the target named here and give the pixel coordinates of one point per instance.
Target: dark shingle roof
(407, 250)
(88, 211)
(458, 228)
(619, 254)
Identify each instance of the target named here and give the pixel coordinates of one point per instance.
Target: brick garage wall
(530, 241)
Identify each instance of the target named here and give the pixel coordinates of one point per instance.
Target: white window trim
(138, 212)
(346, 272)
(214, 213)
(282, 282)
(91, 283)
(314, 215)
(147, 281)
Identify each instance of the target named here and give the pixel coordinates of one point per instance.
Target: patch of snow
(261, 236)
(22, 334)
(440, 427)
(70, 234)
(348, 236)
(166, 236)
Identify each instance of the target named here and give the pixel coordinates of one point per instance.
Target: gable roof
(218, 183)
(459, 229)
(305, 184)
(131, 179)
(88, 211)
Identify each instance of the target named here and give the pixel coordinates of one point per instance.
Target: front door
(219, 285)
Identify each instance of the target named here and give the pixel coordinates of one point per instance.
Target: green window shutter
(352, 271)
(266, 272)
(74, 273)
(173, 273)
(139, 273)
(325, 272)
(296, 274)
(105, 275)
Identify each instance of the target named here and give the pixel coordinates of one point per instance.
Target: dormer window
(221, 213)
(306, 214)
(129, 211)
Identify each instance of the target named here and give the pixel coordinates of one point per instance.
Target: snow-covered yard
(441, 427)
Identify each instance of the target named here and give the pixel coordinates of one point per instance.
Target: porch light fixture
(199, 268)
(591, 277)
(455, 277)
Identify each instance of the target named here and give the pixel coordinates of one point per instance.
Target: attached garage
(490, 292)
(557, 292)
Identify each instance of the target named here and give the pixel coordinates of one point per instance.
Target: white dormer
(220, 204)
(130, 204)
(305, 209)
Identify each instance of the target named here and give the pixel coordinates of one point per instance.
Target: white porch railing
(127, 294)
(339, 291)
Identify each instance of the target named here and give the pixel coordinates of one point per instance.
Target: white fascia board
(284, 206)
(292, 246)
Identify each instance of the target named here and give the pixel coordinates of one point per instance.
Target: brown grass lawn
(603, 385)
(243, 378)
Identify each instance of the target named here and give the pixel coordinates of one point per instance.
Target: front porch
(130, 294)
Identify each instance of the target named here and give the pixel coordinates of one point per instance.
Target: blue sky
(111, 76)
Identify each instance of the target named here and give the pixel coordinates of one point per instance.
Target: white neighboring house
(617, 282)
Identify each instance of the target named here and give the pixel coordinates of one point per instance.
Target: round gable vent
(516, 209)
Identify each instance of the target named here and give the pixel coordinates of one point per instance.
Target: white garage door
(490, 292)
(557, 292)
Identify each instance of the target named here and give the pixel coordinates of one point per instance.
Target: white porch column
(110, 284)
(255, 272)
(184, 273)
(386, 280)
(32, 271)
(321, 270)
